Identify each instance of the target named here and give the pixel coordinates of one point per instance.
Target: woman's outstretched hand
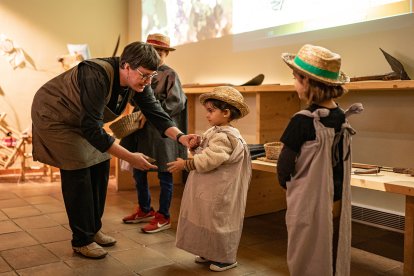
(140, 162)
(189, 140)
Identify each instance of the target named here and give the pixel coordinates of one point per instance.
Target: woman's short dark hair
(234, 112)
(140, 54)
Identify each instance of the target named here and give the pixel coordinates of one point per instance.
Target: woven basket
(128, 124)
(272, 150)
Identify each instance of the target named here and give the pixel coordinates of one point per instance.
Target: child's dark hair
(234, 112)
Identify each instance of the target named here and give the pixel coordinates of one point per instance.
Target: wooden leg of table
(50, 173)
(409, 236)
(191, 102)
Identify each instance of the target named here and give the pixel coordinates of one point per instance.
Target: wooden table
(386, 182)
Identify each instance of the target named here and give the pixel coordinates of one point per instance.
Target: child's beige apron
(310, 202)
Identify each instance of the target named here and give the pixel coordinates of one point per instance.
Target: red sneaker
(139, 216)
(159, 223)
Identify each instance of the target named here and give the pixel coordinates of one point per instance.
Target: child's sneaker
(139, 216)
(157, 224)
(200, 260)
(216, 266)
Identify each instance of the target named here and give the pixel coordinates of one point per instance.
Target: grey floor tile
(37, 209)
(122, 243)
(34, 222)
(117, 200)
(47, 208)
(169, 250)
(60, 217)
(16, 240)
(20, 258)
(10, 273)
(22, 211)
(8, 226)
(4, 267)
(42, 199)
(62, 249)
(139, 259)
(7, 195)
(109, 267)
(51, 234)
(58, 268)
(13, 202)
(168, 270)
(3, 216)
(76, 261)
(146, 239)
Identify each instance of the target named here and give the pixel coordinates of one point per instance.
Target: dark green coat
(69, 111)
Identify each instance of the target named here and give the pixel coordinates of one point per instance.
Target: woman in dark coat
(68, 115)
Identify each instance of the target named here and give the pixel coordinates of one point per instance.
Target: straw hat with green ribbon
(229, 95)
(317, 63)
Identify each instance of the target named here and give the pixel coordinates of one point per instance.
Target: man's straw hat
(159, 41)
(229, 95)
(317, 63)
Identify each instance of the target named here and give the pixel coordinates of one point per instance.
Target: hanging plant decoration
(16, 56)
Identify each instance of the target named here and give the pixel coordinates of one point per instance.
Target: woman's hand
(190, 140)
(140, 161)
(194, 142)
(176, 166)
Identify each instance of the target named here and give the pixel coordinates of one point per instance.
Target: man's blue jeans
(144, 195)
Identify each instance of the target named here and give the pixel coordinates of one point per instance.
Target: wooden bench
(386, 182)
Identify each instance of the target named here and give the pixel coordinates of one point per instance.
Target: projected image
(187, 21)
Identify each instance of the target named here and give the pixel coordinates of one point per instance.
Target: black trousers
(84, 194)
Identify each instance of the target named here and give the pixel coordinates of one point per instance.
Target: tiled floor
(35, 240)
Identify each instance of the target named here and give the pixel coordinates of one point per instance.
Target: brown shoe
(104, 240)
(92, 250)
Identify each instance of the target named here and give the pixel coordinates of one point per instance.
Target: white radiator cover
(380, 219)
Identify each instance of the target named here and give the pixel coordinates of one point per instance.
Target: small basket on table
(272, 150)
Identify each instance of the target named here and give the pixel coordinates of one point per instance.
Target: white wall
(385, 129)
(43, 28)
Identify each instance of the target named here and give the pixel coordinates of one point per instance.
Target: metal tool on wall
(398, 71)
(257, 80)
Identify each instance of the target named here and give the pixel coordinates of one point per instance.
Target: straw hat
(229, 95)
(317, 63)
(159, 41)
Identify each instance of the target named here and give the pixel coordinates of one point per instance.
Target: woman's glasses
(146, 76)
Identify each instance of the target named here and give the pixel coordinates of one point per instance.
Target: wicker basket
(128, 124)
(272, 150)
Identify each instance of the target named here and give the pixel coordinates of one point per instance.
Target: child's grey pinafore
(310, 202)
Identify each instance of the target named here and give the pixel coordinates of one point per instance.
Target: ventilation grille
(379, 219)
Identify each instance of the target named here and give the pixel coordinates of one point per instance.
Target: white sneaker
(200, 260)
(215, 266)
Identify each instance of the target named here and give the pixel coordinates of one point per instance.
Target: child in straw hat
(213, 203)
(167, 90)
(315, 166)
